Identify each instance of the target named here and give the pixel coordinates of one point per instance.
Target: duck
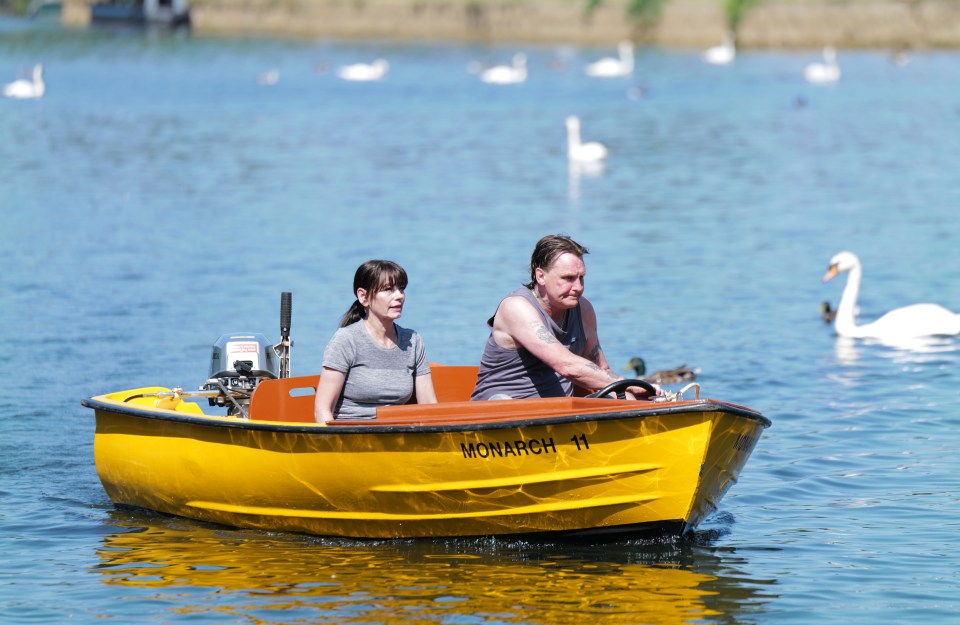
(364, 71)
(609, 67)
(826, 72)
(507, 74)
(23, 89)
(592, 152)
(827, 312)
(677, 375)
(723, 54)
(909, 322)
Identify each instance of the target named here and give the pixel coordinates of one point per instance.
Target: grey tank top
(519, 374)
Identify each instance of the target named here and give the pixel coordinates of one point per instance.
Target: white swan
(364, 71)
(507, 74)
(24, 88)
(268, 78)
(592, 152)
(724, 53)
(909, 322)
(609, 67)
(826, 72)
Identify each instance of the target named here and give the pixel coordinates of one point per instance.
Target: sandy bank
(684, 23)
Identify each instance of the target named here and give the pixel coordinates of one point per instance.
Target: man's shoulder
(516, 304)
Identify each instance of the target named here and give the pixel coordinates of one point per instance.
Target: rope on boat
(678, 396)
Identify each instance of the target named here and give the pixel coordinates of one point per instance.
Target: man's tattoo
(543, 334)
(594, 354)
(610, 374)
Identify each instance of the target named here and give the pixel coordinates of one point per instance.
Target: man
(543, 337)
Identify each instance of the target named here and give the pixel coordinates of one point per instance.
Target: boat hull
(660, 468)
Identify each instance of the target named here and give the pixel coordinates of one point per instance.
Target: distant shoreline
(780, 24)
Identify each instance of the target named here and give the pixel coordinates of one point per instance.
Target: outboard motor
(239, 362)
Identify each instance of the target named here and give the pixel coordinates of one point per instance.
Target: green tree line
(645, 14)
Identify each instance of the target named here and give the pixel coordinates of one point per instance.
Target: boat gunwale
(373, 427)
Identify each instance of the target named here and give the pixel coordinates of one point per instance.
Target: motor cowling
(238, 363)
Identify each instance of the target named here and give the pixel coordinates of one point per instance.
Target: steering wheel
(620, 387)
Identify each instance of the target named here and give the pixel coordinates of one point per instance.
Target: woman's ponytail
(355, 313)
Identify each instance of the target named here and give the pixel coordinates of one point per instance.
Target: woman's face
(562, 281)
(386, 303)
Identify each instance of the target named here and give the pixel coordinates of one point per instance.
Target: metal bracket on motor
(283, 347)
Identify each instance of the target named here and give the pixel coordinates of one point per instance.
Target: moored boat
(570, 466)
(172, 13)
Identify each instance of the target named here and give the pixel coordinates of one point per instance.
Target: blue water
(158, 197)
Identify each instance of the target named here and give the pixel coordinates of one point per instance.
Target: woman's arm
(328, 392)
(423, 385)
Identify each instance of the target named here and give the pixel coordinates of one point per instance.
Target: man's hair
(548, 249)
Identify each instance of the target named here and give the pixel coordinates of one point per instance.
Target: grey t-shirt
(375, 376)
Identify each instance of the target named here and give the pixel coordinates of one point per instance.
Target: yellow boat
(560, 466)
(566, 466)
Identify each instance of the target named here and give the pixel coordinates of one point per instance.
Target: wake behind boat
(569, 466)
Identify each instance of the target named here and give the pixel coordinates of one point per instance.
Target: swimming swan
(268, 78)
(507, 74)
(23, 88)
(582, 152)
(826, 72)
(609, 67)
(722, 54)
(364, 71)
(913, 321)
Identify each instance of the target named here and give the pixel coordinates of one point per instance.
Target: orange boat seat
(292, 399)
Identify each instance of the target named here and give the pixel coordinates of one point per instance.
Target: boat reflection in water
(262, 577)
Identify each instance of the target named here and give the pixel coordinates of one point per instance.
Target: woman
(371, 361)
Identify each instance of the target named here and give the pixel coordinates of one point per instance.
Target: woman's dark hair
(548, 249)
(373, 276)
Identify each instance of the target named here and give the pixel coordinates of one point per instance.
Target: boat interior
(292, 399)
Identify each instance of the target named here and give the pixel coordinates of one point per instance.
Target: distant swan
(722, 54)
(609, 67)
(582, 152)
(24, 89)
(364, 71)
(269, 78)
(826, 72)
(913, 321)
(507, 74)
